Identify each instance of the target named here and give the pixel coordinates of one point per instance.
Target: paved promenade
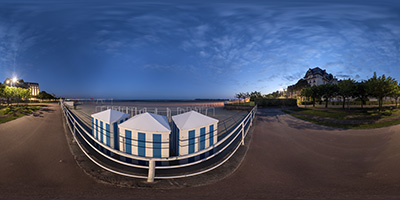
(287, 159)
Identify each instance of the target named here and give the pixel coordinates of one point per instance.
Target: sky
(193, 49)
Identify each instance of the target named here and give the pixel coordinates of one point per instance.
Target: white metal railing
(152, 167)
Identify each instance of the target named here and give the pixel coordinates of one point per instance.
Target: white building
(105, 126)
(317, 76)
(193, 132)
(145, 135)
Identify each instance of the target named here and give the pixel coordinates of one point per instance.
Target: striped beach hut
(145, 135)
(193, 132)
(105, 126)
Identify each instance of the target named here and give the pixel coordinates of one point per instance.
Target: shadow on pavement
(276, 114)
(39, 113)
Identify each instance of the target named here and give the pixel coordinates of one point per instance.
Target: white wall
(183, 143)
(148, 145)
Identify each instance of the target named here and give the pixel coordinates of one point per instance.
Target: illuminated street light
(14, 79)
(8, 82)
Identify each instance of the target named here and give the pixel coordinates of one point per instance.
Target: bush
(263, 102)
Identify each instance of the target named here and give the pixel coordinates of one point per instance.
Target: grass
(9, 113)
(354, 118)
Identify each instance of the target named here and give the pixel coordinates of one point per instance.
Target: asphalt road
(287, 159)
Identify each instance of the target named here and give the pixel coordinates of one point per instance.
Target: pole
(152, 171)
(242, 133)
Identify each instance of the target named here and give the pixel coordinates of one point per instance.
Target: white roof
(148, 122)
(110, 115)
(192, 119)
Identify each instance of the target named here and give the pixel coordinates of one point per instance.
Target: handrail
(246, 121)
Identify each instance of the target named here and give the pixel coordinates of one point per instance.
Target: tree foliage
(328, 91)
(396, 94)
(346, 89)
(361, 92)
(313, 92)
(16, 93)
(45, 95)
(254, 95)
(381, 87)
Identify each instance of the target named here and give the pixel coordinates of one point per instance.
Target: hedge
(263, 102)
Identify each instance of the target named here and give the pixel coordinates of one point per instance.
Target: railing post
(74, 128)
(152, 171)
(242, 133)
(251, 119)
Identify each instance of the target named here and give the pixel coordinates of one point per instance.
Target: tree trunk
(313, 102)
(362, 103)
(326, 103)
(380, 104)
(344, 101)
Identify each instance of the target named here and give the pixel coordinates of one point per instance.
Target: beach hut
(145, 135)
(193, 132)
(105, 126)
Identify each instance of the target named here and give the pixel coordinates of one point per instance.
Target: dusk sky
(182, 50)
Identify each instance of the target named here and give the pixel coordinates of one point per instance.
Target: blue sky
(193, 49)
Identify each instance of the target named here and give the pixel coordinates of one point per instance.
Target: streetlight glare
(8, 82)
(14, 79)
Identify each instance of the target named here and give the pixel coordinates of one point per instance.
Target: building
(193, 132)
(33, 87)
(105, 126)
(317, 76)
(145, 135)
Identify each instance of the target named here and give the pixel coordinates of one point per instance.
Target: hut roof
(192, 119)
(110, 115)
(148, 122)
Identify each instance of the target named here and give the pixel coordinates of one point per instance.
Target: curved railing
(167, 168)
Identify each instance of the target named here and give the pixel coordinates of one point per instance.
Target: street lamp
(7, 81)
(14, 80)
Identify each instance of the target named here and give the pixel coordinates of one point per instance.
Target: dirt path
(288, 158)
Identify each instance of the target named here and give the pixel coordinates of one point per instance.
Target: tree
(25, 94)
(311, 92)
(346, 89)
(10, 93)
(247, 95)
(301, 84)
(45, 95)
(237, 95)
(328, 91)
(361, 92)
(381, 87)
(254, 95)
(2, 88)
(396, 93)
